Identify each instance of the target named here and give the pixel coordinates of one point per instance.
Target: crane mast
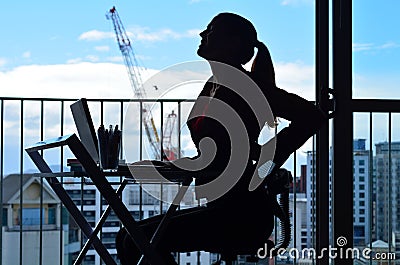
(135, 79)
(170, 151)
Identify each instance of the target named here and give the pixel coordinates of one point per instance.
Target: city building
(387, 164)
(39, 221)
(361, 194)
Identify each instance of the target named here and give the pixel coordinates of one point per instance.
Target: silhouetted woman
(238, 217)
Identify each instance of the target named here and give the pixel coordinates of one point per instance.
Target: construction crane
(170, 150)
(135, 79)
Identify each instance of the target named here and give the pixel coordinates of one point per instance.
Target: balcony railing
(24, 121)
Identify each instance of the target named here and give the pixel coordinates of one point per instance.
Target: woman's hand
(156, 163)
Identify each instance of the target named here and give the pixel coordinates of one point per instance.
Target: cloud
(193, 32)
(92, 58)
(362, 46)
(74, 60)
(295, 77)
(3, 62)
(77, 79)
(146, 34)
(115, 59)
(389, 45)
(95, 35)
(371, 46)
(26, 54)
(139, 33)
(73, 80)
(102, 48)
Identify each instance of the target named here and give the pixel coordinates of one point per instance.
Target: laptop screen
(84, 124)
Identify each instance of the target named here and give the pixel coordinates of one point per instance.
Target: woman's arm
(305, 120)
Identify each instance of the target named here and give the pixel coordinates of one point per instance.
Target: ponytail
(263, 70)
(262, 67)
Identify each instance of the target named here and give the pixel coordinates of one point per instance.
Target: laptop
(84, 124)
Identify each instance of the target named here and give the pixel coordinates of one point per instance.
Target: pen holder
(109, 147)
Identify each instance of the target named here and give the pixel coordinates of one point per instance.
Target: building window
(362, 211)
(361, 170)
(361, 162)
(51, 218)
(362, 195)
(362, 219)
(5, 212)
(362, 178)
(137, 215)
(112, 220)
(362, 203)
(31, 216)
(147, 199)
(89, 260)
(362, 187)
(187, 254)
(90, 217)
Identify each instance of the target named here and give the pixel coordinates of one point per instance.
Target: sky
(67, 49)
(49, 47)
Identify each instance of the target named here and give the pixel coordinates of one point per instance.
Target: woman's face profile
(216, 41)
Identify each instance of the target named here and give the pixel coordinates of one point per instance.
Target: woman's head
(229, 38)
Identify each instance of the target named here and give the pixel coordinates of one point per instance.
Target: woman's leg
(212, 229)
(188, 230)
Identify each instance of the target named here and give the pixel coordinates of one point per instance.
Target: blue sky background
(67, 48)
(45, 33)
(49, 31)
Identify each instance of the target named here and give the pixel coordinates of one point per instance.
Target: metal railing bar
(41, 187)
(102, 112)
(21, 191)
(179, 127)
(370, 175)
(100, 233)
(322, 142)
(1, 174)
(294, 202)
(121, 127)
(375, 105)
(98, 99)
(161, 152)
(61, 182)
(313, 198)
(162, 131)
(390, 212)
(141, 132)
(140, 201)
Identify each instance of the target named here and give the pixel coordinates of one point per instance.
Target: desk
(98, 177)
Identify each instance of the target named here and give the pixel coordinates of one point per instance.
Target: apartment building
(387, 164)
(361, 194)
